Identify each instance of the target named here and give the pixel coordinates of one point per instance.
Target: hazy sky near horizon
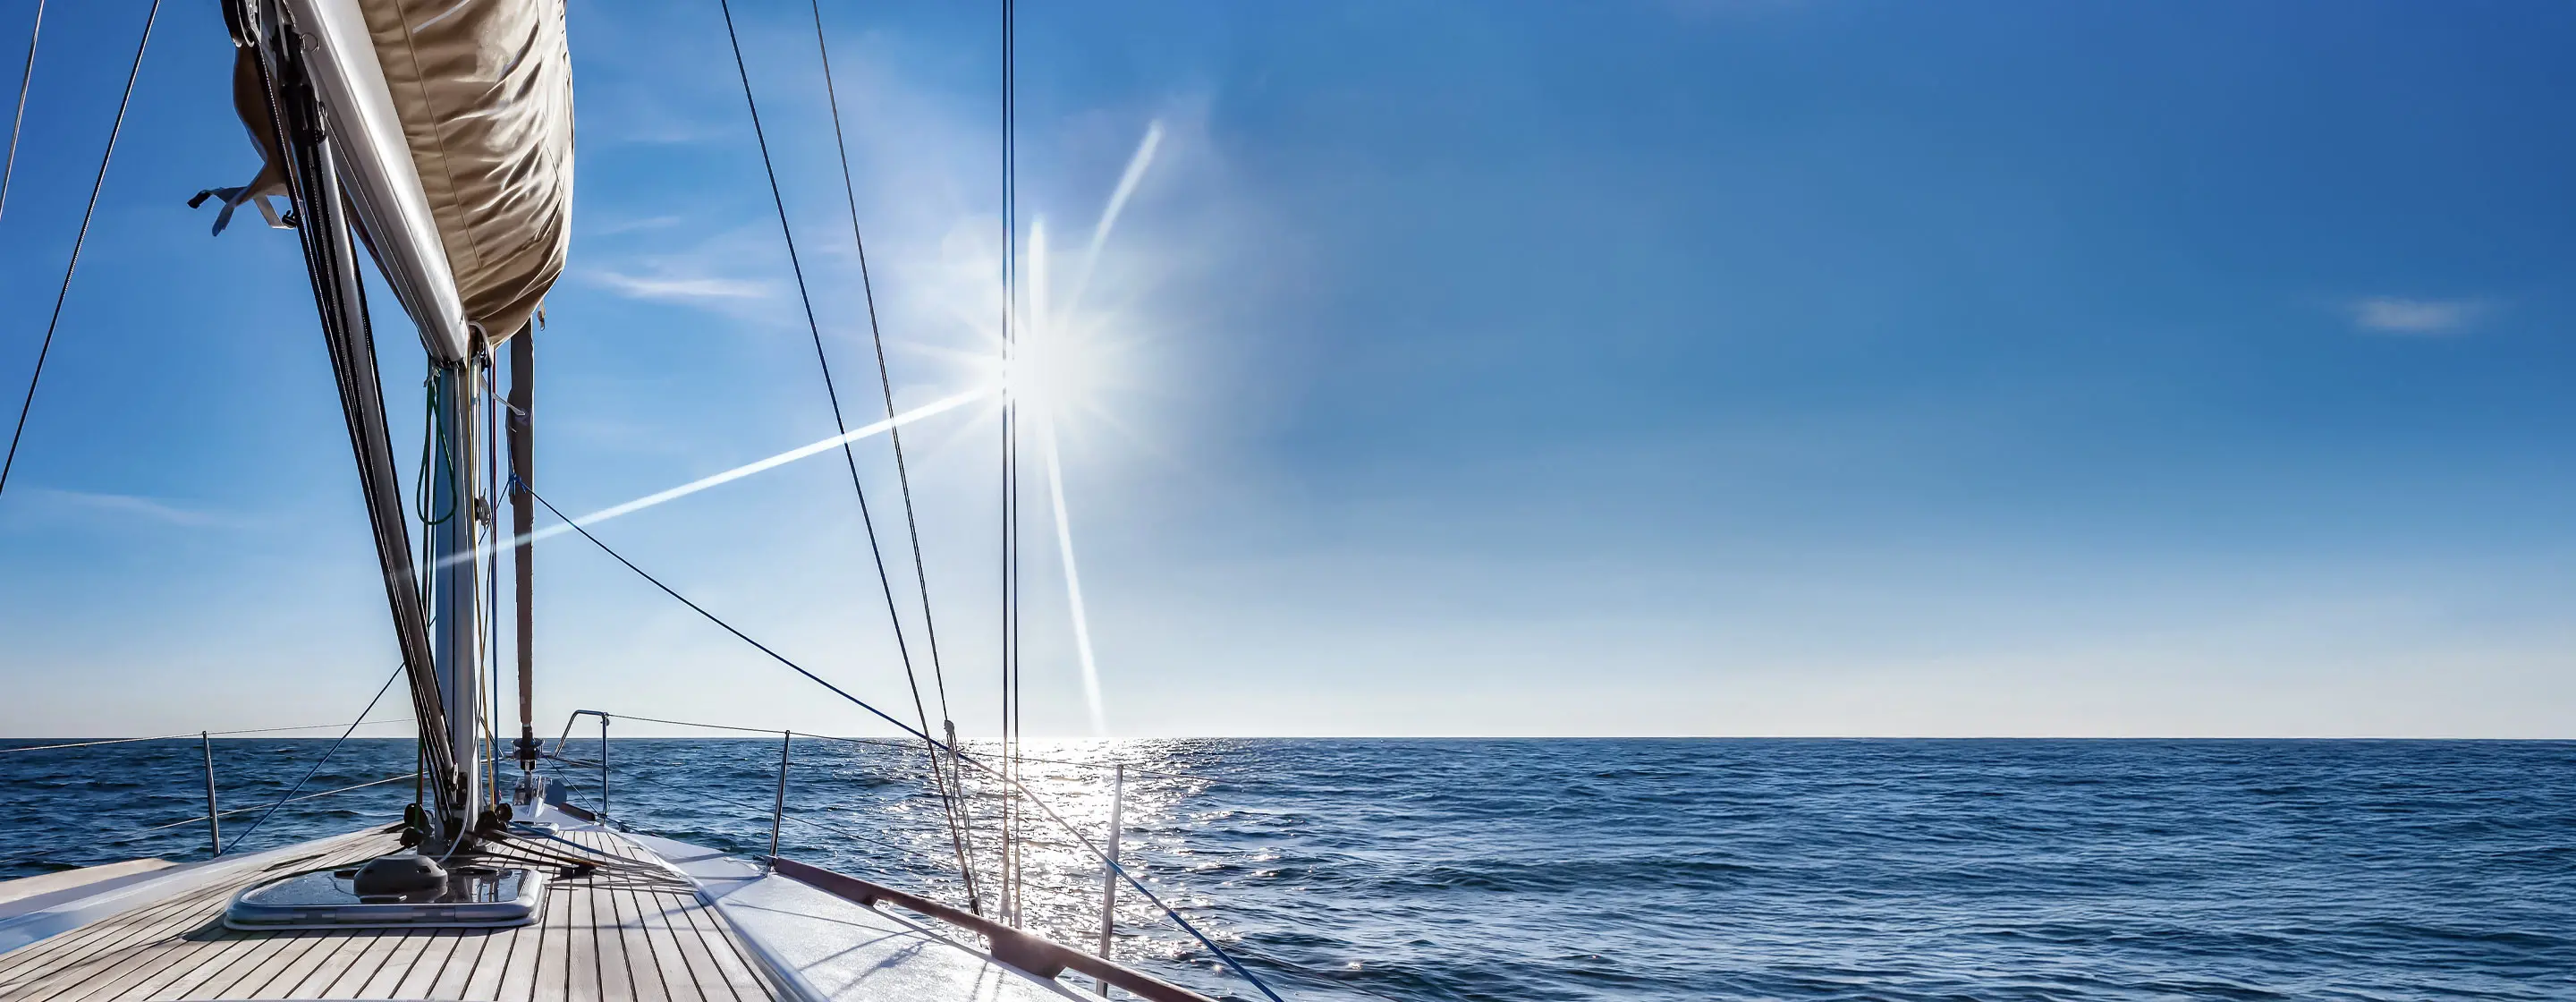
(1677, 368)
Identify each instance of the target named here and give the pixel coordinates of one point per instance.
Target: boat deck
(605, 937)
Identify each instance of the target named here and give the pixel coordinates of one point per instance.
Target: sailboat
(437, 139)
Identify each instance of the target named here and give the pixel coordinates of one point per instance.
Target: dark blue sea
(1583, 869)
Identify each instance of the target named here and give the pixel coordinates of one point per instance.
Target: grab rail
(1034, 954)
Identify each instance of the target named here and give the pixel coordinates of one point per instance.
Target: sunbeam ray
(934, 408)
(1127, 182)
(1041, 349)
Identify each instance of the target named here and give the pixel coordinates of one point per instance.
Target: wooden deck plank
(106, 967)
(252, 951)
(644, 957)
(581, 955)
(429, 965)
(398, 964)
(729, 959)
(292, 946)
(457, 967)
(631, 931)
(512, 958)
(690, 974)
(131, 970)
(147, 968)
(618, 974)
(709, 975)
(67, 953)
(311, 975)
(39, 959)
(45, 969)
(552, 947)
(369, 962)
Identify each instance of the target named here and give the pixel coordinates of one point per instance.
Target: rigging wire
(491, 581)
(73, 265)
(9, 168)
(174, 737)
(902, 474)
(433, 442)
(1133, 768)
(1010, 457)
(140, 832)
(318, 763)
(489, 532)
(805, 298)
(897, 723)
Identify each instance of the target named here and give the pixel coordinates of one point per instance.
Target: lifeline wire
(74, 264)
(1136, 768)
(317, 763)
(140, 832)
(174, 737)
(27, 76)
(1022, 790)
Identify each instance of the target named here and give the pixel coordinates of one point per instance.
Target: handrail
(1037, 955)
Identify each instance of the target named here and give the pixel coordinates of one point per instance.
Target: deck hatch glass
(473, 896)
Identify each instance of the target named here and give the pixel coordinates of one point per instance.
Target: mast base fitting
(385, 875)
(415, 826)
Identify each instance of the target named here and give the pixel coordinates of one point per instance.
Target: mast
(349, 99)
(456, 587)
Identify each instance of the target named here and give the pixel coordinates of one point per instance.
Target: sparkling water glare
(1630, 870)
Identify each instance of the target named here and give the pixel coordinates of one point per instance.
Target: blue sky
(1457, 368)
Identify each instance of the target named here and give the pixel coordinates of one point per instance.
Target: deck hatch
(470, 897)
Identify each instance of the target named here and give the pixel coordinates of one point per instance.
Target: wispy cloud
(636, 224)
(2417, 317)
(681, 287)
(135, 507)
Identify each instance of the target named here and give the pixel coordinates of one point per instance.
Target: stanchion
(214, 823)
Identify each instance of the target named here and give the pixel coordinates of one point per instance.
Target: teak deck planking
(602, 938)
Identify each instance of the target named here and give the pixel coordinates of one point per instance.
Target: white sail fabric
(454, 129)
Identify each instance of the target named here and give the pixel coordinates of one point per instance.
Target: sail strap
(523, 522)
(256, 193)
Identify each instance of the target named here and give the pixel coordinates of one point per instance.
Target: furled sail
(440, 132)
(455, 121)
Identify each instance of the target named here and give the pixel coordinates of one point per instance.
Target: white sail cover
(454, 132)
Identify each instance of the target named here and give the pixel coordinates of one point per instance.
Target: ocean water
(1583, 869)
